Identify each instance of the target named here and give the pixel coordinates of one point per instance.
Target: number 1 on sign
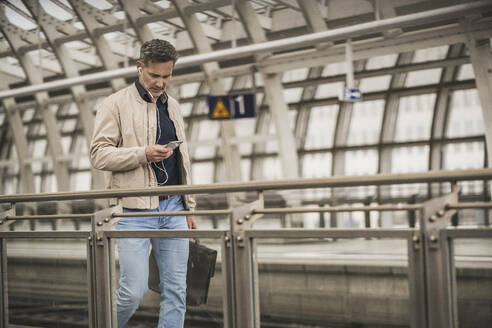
(240, 101)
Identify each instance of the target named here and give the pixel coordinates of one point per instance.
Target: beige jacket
(125, 124)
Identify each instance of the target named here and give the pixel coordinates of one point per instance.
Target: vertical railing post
(103, 267)
(245, 268)
(367, 214)
(4, 295)
(412, 214)
(440, 277)
(227, 270)
(91, 298)
(416, 282)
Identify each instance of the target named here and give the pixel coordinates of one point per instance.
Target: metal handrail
(330, 233)
(469, 205)
(257, 186)
(48, 217)
(277, 210)
(399, 207)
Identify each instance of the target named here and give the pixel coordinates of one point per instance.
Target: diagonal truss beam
(232, 158)
(52, 132)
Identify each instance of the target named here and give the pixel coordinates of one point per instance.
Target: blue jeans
(172, 259)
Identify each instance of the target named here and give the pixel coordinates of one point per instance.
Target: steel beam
(481, 58)
(133, 13)
(232, 158)
(342, 129)
(48, 24)
(274, 95)
(53, 134)
(16, 126)
(303, 58)
(85, 13)
(389, 122)
(441, 115)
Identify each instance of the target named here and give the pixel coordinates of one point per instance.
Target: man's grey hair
(157, 51)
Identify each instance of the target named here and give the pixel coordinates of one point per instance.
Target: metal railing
(431, 275)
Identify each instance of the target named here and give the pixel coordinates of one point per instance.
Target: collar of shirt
(145, 94)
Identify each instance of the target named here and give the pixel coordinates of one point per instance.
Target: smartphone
(173, 144)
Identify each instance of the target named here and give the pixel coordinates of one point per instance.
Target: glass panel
(202, 172)
(465, 118)
(365, 124)
(189, 90)
(377, 83)
(82, 181)
(245, 169)
(473, 217)
(329, 90)
(461, 156)
(272, 168)
(208, 131)
(407, 160)
(316, 165)
(466, 72)
(436, 53)
(47, 282)
(295, 75)
(381, 61)
(333, 283)
(429, 76)
(360, 162)
(334, 69)
(473, 263)
(245, 129)
(321, 127)
(410, 159)
(203, 309)
(415, 117)
(292, 95)
(28, 114)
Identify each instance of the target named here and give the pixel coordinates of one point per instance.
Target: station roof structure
(423, 68)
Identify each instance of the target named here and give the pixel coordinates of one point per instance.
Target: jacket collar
(145, 95)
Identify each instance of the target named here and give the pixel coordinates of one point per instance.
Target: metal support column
(416, 282)
(103, 268)
(440, 296)
(4, 296)
(245, 268)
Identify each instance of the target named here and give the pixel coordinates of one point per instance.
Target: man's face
(155, 76)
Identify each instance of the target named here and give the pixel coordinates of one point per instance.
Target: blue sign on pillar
(231, 106)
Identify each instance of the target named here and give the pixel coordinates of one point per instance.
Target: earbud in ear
(140, 70)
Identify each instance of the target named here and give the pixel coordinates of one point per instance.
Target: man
(131, 130)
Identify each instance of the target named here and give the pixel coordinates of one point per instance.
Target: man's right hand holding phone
(157, 153)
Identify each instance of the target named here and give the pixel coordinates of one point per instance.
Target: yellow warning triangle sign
(220, 110)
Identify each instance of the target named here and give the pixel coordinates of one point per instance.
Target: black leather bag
(201, 269)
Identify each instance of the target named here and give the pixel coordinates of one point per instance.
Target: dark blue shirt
(165, 132)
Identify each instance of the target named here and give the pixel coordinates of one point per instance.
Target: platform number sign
(231, 106)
